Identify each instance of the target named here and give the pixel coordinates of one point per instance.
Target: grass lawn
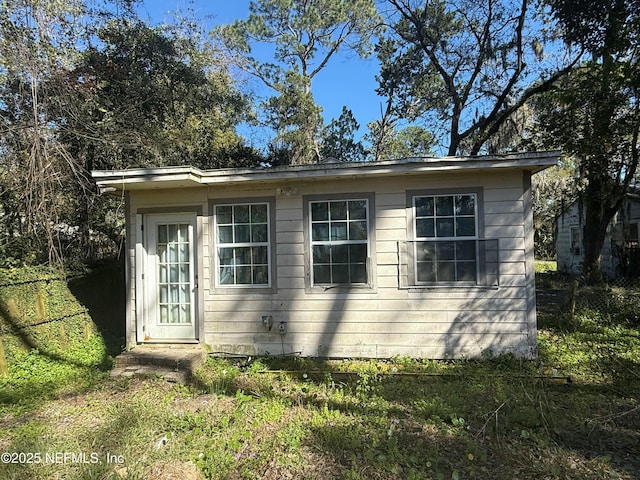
(498, 418)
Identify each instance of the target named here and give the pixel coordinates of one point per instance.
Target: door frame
(143, 279)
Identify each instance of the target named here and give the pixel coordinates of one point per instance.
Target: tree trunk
(602, 200)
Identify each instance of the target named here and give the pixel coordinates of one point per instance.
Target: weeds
(498, 417)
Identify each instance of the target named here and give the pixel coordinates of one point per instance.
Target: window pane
(184, 294)
(466, 250)
(339, 254)
(243, 275)
(223, 214)
(340, 273)
(259, 233)
(320, 232)
(259, 255)
(338, 210)
(243, 256)
(173, 273)
(321, 274)
(242, 233)
(225, 256)
(225, 234)
(226, 276)
(185, 314)
(173, 252)
(424, 206)
(338, 231)
(358, 230)
(258, 214)
(162, 234)
(164, 314)
(164, 293)
(173, 233)
(241, 214)
(320, 211)
(162, 253)
(466, 271)
(424, 227)
(444, 227)
(465, 204)
(183, 232)
(358, 210)
(174, 294)
(425, 272)
(425, 251)
(358, 253)
(261, 275)
(444, 206)
(163, 274)
(174, 316)
(358, 273)
(321, 254)
(465, 227)
(184, 273)
(446, 271)
(184, 252)
(445, 251)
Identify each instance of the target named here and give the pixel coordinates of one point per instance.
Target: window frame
(412, 269)
(575, 233)
(310, 284)
(222, 288)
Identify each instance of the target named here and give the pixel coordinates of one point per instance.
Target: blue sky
(347, 79)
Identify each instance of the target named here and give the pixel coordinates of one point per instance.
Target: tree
(595, 113)
(465, 66)
(410, 141)
(338, 139)
(305, 36)
(82, 89)
(154, 97)
(38, 44)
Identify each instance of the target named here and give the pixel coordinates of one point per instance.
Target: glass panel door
(170, 277)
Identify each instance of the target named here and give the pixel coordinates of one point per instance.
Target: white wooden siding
(382, 321)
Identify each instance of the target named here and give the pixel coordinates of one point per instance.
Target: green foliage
(338, 139)
(304, 37)
(92, 88)
(407, 142)
(464, 67)
(594, 115)
(48, 338)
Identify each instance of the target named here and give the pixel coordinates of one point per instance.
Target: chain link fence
(562, 297)
(619, 300)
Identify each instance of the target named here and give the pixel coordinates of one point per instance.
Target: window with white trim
(339, 237)
(243, 248)
(446, 234)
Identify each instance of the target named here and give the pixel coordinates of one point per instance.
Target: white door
(170, 280)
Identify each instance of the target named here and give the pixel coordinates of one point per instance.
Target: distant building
(620, 253)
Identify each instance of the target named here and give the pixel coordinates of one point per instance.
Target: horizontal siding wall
(387, 320)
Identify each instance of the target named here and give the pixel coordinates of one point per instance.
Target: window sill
(240, 289)
(363, 289)
(449, 286)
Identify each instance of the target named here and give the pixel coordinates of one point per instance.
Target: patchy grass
(276, 418)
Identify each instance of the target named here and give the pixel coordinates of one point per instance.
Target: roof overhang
(187, 176)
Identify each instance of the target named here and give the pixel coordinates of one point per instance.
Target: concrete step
(176, 358)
